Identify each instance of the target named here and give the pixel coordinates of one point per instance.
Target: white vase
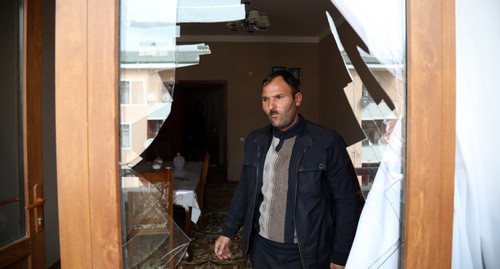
(179, 161)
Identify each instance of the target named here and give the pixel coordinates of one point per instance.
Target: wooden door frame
(428, 222)
(86, 114)
(87, 136)
(33, 121)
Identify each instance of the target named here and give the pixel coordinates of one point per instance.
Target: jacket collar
(291, 132)
(303, 139)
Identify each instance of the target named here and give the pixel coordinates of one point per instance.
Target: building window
(374, 131)
(132, 92)
(126, 136)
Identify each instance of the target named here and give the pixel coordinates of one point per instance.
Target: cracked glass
(370, 36)
(149, 57)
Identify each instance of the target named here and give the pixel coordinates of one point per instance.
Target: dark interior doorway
(197, 122)
(204, 122)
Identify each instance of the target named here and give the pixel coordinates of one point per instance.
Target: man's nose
(271, 104)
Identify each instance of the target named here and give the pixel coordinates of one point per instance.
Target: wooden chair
(200, 189)
(164, 182)
(153, 223)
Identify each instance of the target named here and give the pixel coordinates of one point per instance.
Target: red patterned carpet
(218, 197)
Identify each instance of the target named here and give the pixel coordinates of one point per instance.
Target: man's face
(279, 105)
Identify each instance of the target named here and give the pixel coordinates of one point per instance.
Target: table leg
(187, 229)
(188, 224)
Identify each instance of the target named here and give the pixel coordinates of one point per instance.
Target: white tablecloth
(185, 182)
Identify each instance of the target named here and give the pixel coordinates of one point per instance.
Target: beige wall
(244, 65)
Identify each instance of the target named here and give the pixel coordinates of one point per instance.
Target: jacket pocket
(310, 175)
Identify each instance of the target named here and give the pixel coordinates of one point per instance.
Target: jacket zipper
(295, 203)
(253, 207)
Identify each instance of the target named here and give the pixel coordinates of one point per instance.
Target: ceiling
(299, 19)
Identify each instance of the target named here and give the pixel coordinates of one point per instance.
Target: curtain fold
(476, 237)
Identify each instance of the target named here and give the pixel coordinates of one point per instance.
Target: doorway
(204, 124)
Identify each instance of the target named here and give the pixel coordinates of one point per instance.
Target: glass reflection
(377, 121)
(146, 96)
(371, 38)
(149, 57)
(147, 61)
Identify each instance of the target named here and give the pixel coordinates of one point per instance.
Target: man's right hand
(221, 247)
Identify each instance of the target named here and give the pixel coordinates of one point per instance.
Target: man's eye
(265, 99)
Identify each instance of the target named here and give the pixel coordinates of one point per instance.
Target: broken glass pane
(370, 37)
(149, 57)
(151, 237)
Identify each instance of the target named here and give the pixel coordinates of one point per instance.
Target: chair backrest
(164, 182)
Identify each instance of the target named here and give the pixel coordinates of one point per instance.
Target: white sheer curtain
(476, 236)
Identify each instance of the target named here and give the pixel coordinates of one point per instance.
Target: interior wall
(48, 135)
(244, 66)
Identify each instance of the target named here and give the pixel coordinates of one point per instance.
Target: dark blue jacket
(324, 188)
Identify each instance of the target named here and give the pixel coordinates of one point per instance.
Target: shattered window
(149, 57)
(370, 38)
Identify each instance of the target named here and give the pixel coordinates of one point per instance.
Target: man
(298, 198)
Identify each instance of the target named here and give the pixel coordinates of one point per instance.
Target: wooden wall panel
(87, 133)
(430, 134)
(104, 142)
(72, 135)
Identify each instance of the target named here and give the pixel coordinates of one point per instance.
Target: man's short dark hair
(287, 77)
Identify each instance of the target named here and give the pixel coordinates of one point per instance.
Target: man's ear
(298, 99)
